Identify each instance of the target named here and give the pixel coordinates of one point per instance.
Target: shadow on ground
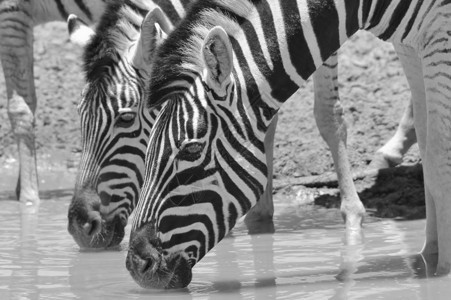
(392, 193)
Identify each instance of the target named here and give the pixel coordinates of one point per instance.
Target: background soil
(373, 90)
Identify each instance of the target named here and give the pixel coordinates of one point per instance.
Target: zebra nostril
(137, 264)
(123, 220)
(146, 265)
(93, 225)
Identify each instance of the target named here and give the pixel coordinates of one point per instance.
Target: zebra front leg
(16, 52)
(437, 178)
(392, 152)
(435, 60)
(264, 209)
(413, 69)
(331, 124)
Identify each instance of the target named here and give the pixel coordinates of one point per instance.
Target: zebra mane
(117, 29)
(179, 53)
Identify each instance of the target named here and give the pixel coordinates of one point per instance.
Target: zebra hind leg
(392, 152)
(436, 152)
(413, 69)
(331, 124)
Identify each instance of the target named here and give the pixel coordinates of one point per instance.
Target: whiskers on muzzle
(92, 230)
(152, 267)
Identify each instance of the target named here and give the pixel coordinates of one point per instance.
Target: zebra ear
(79, 32)
(218, 56)
(154, 30)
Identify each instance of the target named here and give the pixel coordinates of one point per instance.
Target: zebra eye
(126, 119)
(191, 151)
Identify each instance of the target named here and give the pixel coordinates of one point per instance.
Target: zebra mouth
(92, 225)
(158, 272)
(97, 233)
(153, 267)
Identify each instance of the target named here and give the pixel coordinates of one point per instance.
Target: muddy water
(305, 258)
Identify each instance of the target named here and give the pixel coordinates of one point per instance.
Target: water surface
(305, 258)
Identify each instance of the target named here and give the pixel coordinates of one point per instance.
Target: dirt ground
(373, 90)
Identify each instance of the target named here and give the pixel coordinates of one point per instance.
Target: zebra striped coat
(114, 128)
(115, 134)
(205, 163)
(115, 131)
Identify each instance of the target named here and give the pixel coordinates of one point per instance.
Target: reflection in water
(26, 252)
(423, 266)
(32, 262)
(235, 273)
(351, 254)
(304, 254)
(21, 257)
(231, 282)
(264, 260)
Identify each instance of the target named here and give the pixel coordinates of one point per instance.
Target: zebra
(112, 162)
(222, 75)
(114, 128)
(17, 19)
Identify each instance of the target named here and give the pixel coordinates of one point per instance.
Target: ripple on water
(304, 259)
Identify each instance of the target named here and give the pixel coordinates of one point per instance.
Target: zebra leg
(435, 59)
(331, 124)
(414, 72)
(437, 173)
(16, 53)
(264, 209)
(392, 152)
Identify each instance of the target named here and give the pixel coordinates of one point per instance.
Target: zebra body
(17, 19)
(205, 163)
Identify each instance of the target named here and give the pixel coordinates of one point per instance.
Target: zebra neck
(398, 21)
(294, 39)
(278, 44)
(297, 37)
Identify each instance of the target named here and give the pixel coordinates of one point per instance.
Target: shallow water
(305, 258)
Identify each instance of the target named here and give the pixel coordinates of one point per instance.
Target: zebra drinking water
(222, 75)
(115, 131)
(17, 19)
(114, 128)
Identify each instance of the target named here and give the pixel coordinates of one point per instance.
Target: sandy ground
(373, 90)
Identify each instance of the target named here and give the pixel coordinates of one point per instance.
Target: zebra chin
(89, 229)
(150, 268)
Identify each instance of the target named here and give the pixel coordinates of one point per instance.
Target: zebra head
(114, 129)
(205, 162)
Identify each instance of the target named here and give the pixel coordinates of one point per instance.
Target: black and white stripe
(114, 127)
(205, 164)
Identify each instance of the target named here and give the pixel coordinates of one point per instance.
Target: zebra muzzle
(89, 228)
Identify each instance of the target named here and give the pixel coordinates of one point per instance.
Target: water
(304, 259)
